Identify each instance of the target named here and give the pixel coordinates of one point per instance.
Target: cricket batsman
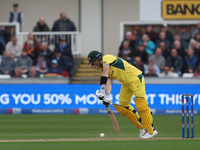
(132, 81)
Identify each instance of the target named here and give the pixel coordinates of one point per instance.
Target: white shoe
(147, 135)
(142, 132)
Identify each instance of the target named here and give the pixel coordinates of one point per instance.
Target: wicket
(191, 114)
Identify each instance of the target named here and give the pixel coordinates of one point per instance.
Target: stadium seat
(5, 76)
(187, 75)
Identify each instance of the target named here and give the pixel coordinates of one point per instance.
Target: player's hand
(108, 99)
(100, 93)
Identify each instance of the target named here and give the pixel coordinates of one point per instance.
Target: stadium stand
(81, 73)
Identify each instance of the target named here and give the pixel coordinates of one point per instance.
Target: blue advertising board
(77, 98)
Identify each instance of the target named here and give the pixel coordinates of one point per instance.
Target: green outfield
(48, 132)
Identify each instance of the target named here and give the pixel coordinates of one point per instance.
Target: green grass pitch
(35, 127)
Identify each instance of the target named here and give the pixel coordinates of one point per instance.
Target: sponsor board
(81, 99)
(181, 9)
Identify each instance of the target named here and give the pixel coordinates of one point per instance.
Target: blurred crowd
(34, 58)
(157, 54)
(163, 54)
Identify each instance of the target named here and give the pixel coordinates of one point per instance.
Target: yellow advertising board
(181, 9)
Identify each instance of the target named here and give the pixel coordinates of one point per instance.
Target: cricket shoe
(142, 132)
(147, 135)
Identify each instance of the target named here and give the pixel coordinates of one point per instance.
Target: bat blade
(113, 118)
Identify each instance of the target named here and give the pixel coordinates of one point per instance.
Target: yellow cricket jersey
(120, 69)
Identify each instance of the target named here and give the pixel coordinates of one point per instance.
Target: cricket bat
(113, 118)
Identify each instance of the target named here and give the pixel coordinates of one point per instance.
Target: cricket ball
(102, 135)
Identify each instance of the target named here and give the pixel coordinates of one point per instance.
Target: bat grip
(108, 108)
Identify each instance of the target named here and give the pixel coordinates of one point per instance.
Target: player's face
(96, 63)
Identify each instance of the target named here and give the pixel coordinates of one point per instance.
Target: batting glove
(108, 99)
(100, 93)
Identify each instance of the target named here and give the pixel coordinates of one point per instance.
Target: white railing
(8, 24)
(52, 38)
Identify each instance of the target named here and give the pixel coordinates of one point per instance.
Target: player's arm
(109, 85)
(104, 76)
(105, 83)
(101, 93)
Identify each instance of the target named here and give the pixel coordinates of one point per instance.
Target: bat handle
(108, 108)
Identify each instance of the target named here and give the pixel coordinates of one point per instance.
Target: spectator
(138, 64)
(8, 64)
(177, 38)
(18, 73)
(136, 36)
(165, 51)
(41, 65)
(193, 46)
(179, 48)
(15, 47)
(32, 53)
(125, 49)
(168, 34)
(63, 24)
(64, 47)
(151, 64)
(190, 62)
(16, 16)
(167, 73)
(158, 59)
(196, 30)
(197, 39)
(55, 67)
(162, 38)
(197, 71)
(2, 49)
(128, 37)
(184, 36)
(64, 62)
(125, 56)
(142, 53)
(32, 73)
(36, 42)
(175, 63)
(46, 51)
(151, 72)
(4, 37)
(151, 34)
(41, 26)
(24, 62)
(149, 45)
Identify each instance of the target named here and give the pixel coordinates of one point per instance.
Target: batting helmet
(93, 55)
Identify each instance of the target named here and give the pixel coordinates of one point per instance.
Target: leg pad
(145, 113)
(129, 115)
